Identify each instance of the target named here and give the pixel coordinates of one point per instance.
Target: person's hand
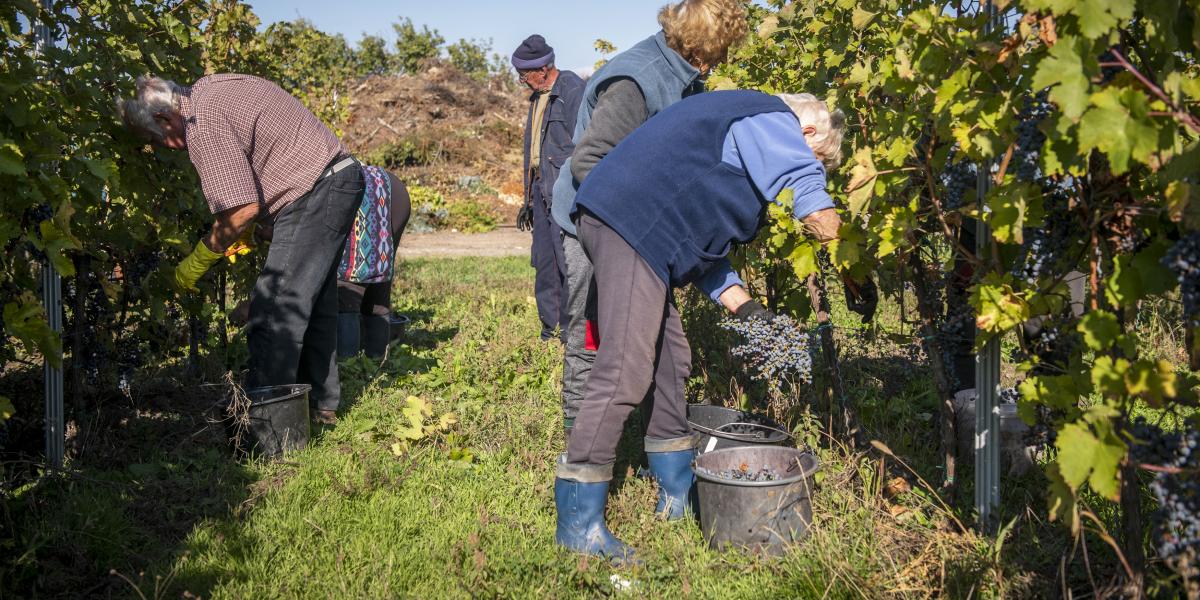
(862, 297)
(823, 225)
(243, 246)
(525, 217)
(752, 310)
(194, 267)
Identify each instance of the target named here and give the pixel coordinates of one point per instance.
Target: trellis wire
(52, 300)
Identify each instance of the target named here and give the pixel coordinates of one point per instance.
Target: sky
(570, 26)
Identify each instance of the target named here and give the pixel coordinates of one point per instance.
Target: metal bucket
(276, 421)
(718, 428)
(399, 326)
(761, 516)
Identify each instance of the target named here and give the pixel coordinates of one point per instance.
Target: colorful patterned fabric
(370, 250)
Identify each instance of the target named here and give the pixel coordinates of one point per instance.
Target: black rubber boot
(349, 336)
(376, 333)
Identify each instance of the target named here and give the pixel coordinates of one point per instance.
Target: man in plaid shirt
(259, 152)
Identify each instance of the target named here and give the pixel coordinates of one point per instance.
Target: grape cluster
(743, 473)
(1177, 489)
(1184, 260)
(142, 266)
(1046, 244)
(773, 348)
(1030, 138)
(957, 179)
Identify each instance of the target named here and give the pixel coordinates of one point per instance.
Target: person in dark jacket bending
(661, 211)
(365, 275)
(553, 106)
(634, 86)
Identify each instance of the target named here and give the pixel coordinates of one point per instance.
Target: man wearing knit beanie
(553, 104)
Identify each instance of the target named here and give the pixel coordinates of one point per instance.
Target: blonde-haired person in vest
(635, 85)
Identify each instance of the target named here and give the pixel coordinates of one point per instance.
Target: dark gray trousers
(577, 359)
(643, 355)
(292, 334)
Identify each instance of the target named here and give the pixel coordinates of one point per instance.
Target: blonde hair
(826, 139)
(155, 96)
(702, 31)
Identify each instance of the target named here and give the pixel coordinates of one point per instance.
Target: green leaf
(1108, 376)
(7, 410)
(804, 260)
(1136, 277)
(1010, 209)
(1061, 499)
(12, 161)
(861, 17)
(1153, 381)
(1082, 456)
(1117, 126)
(1063, 71)
(1097, 17)
(1100, 329)
(25, 319)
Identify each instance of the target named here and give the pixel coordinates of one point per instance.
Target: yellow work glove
(194, 267)
(242, 246)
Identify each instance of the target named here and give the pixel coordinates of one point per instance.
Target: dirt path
(504, 241)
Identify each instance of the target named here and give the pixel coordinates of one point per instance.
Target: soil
(467, 132)
(504, 241)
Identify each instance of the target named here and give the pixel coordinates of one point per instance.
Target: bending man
(259, 151)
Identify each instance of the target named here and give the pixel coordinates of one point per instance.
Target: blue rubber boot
(581, 526)
(676, 482)
(349, 334)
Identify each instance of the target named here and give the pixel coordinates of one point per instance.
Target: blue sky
(571, 26)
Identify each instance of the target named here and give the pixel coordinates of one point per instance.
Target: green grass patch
(462, 507)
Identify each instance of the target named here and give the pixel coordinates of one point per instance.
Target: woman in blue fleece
(661, 211)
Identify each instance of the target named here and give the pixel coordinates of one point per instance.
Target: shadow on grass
(146, 470)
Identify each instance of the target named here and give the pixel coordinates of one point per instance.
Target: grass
(372, 510)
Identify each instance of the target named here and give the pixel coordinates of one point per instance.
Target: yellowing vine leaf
(997, 306)
(862, 180)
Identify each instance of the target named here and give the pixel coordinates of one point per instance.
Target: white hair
(155, 96)
(826, 139)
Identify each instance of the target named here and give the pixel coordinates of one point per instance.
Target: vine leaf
(862, 179)
(1063, 71)
(1116, 126)
(1010, 209)
(997, 307)
(1084, 457)
(1100, 329)
(1153, 381)
(26, 320)
(7, 410)
(12, 162)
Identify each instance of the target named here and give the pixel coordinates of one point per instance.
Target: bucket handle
(759, 425)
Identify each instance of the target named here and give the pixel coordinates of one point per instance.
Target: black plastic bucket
(718, 428)
(275, 422)
(762, 516)
(399, 326)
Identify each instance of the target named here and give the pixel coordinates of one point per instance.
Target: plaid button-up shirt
(250, 141)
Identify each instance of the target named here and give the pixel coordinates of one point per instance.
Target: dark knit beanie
(533, 53)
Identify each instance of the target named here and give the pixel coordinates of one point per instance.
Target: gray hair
(829, 126)
(155, 96)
